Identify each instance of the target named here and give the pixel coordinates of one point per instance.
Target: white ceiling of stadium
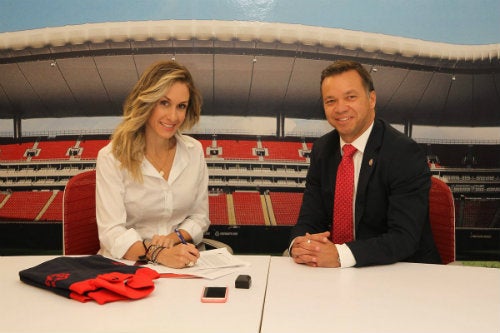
(251, 76)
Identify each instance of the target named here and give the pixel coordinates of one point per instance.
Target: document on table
(217, 258)
(212, 264)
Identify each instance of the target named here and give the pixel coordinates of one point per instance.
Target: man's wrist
(346, 258)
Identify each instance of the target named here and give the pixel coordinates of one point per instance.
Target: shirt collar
(359, 143)
(183, 140)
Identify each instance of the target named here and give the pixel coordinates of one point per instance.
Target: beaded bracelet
(153, 251)
(150, 250)
(154, 256)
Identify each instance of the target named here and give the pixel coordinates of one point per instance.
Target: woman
(152, 181)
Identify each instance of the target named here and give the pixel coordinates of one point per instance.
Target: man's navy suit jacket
(392, 199)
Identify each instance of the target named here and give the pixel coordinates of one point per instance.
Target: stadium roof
(245, 69)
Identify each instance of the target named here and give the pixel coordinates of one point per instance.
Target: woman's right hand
(179, 256)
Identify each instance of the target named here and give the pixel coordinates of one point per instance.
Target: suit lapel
(331, 155)
(333, 164)
(367, 166)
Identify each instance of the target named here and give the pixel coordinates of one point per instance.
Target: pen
(183, 241)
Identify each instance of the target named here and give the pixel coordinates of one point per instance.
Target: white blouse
(128, 211)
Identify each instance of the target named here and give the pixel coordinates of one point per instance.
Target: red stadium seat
(237, 149)
(218, 209)
(54, 211)
(53, 150)
(14, 151)
(286, 206)
(90, 148)
(248, 208)
(25, 205)
(288, 151)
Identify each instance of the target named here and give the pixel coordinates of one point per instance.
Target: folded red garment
(91, 278)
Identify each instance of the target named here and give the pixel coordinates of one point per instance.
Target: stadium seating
(279, 150)
(481, 213)
(218, 209)
(53, 150)
(247, 191)
(237, 149)
(15, 151)
(25, 205)
(54, 210)
(248, 208)
(286, 207)
(90, 148)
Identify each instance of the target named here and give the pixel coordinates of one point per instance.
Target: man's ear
(373, 99)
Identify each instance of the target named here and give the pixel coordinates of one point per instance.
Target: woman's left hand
(166, 241)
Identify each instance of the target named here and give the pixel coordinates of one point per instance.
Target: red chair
(79, 220)
(80, 234)
(442, 218)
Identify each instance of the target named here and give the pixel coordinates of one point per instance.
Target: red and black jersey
(91, 278)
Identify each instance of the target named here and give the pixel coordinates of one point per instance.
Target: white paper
(211, 264)
(217, 258)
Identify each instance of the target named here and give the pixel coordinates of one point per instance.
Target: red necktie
(344, 189)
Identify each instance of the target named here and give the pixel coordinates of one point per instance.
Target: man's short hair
(342, 66)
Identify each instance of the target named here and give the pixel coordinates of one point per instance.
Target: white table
(403, 297)
(174, 305)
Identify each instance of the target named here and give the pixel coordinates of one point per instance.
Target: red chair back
(442, 218)
(79, 219)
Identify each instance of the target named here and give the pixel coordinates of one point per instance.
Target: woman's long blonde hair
(128, 140)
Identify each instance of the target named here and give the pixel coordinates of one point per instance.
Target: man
(389, 219)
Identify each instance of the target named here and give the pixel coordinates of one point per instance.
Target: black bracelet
(146, 248)
(154, 256)
(143, 260)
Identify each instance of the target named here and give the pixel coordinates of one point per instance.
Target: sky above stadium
(449, 21)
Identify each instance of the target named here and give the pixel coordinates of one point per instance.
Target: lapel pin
(370, 162)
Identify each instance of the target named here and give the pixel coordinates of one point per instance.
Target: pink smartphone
(214, 295)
